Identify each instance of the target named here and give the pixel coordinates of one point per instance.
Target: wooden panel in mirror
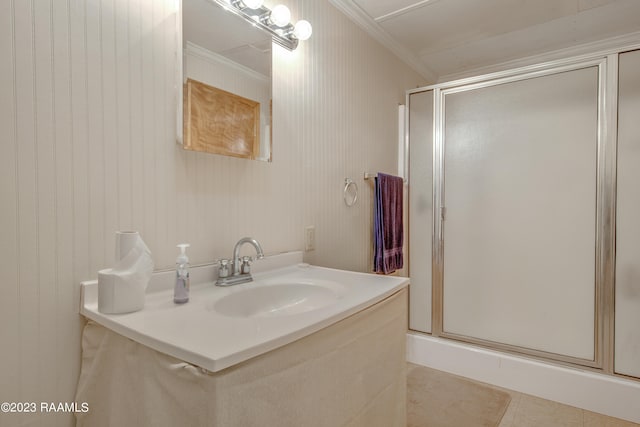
(220, 122)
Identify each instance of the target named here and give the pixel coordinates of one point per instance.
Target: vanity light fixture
(276, 21)
(302, 30)
(280, 16)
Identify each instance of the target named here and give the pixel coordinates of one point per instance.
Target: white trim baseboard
(605, 394)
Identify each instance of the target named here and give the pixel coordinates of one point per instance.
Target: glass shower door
(520, 180)
(627, 293)
(420, 208)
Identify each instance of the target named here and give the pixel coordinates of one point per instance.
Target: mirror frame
(179, 91)
(288, 43)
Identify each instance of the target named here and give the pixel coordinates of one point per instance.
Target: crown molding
(602, 47)
(406, 9)
(606, 46)
(202, 53)
(363, 20)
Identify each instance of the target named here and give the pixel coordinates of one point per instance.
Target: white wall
(87, 115)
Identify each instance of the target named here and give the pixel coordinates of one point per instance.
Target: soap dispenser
(181, 290)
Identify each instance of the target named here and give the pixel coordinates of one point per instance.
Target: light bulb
(302, 30)
(253, 4)
(280, 15)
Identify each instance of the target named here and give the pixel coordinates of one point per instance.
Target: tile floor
(529, 411)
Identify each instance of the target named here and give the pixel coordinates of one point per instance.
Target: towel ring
(350, 193)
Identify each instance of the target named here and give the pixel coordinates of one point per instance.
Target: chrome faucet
(241, 266)
(236, 254)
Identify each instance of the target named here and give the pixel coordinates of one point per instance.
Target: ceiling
(441, 38)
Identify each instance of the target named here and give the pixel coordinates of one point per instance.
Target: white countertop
(198, 334)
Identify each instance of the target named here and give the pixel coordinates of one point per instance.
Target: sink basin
(222, 327)
(278, 299)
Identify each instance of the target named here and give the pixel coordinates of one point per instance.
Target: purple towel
(387, 224)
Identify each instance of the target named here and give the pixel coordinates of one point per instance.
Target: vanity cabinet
(352, 372)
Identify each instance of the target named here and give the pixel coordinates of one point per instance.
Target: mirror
(226, 76)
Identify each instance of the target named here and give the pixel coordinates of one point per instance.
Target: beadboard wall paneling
(347, 118)
(87, 116)
(9, 310)
(71, 108)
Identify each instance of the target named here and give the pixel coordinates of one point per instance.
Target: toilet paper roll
(121, 289)
(117, 295)
(125, 241)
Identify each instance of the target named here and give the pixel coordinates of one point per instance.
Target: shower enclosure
(514, 181)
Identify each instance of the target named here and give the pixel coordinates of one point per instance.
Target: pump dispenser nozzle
(183, 249)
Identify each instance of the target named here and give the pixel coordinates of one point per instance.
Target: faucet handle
(223, 270)
(245, 268)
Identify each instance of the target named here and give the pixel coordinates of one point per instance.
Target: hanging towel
(387, 224)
